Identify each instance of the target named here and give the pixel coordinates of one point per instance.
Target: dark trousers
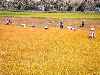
(61, 26)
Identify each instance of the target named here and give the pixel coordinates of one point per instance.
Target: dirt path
(50, 21)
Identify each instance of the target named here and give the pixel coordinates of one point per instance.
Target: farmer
(46, 27)
(8, 21)
(92, 32)
(82, 25)
(61, 24)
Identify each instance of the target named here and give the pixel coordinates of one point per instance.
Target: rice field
(48, 52)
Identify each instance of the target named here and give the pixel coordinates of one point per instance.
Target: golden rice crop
(48, 52)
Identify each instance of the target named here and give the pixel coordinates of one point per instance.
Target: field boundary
(59, 15)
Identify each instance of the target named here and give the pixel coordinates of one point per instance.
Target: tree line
(45, 5)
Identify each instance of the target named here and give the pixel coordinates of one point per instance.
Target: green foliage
(58, 5)
(51, 15)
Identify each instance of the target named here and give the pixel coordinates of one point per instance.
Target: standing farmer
(61, 24)
(92, 32)
(82, 25)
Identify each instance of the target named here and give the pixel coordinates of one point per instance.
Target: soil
(50, 21)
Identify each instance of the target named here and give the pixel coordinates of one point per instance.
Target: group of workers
(92, 31)
(61, 25)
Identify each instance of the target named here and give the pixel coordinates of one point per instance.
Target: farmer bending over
(8, 21)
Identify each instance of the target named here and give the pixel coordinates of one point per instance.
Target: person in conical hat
(46, 27)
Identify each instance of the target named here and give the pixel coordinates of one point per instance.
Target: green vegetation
(44, 5)
(88, 15)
